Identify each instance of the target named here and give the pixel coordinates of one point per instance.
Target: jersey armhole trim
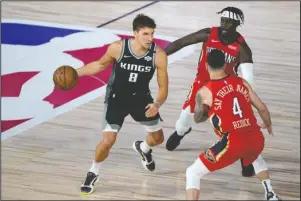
(154, 56)
(122, 51)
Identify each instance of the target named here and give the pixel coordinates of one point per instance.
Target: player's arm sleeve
(101, 64)
(162, 76)
(246, 65)
(193, 38)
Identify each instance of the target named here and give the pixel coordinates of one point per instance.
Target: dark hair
(236, 11)
(142, 21)
(216, 59)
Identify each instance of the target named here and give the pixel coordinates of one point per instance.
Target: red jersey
(231, 54)
(231, 110)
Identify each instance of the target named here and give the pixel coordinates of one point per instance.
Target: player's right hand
(152, 110)
(269, 128)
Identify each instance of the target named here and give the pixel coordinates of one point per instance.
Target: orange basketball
(65, 78)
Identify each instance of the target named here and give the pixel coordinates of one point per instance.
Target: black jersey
(132, 74)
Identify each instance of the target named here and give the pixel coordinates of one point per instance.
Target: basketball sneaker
(88, 186)
(271, 196)
(147, 160)
(175, 139)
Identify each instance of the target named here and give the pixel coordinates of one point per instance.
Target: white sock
(145, 147)
(95, 167)
(267, 185)
(184, 122)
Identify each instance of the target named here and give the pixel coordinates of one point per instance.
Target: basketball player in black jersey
(135, 61)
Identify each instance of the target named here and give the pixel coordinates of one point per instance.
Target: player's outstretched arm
(193, 38)
(203, 104)
(113, 52)
(260, 107)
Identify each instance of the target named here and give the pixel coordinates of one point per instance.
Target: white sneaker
(271, 196)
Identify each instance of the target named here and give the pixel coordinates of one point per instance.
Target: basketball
(65, 78)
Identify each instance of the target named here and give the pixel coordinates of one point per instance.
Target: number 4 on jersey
(133, 77)
(236, 108)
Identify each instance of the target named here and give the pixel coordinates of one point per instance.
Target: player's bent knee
(259, 165)
(194, 173)
(109, 138)
(157, 136)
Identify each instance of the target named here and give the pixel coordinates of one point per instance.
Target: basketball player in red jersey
(237, 56)
(227, 100)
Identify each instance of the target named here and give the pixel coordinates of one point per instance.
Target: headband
(231, 15)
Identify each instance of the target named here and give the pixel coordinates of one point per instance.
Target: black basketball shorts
(117, 107)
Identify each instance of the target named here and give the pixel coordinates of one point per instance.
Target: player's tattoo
(200, 115)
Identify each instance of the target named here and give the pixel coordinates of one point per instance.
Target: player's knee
(109, 139)
(158, 136)
(194, 173)
(259, 165)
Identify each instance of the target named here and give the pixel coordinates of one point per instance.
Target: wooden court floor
(50, 161)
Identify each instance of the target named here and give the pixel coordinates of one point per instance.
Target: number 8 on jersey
(133, 77)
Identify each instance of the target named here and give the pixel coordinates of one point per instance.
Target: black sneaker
(174, 140)
(87, 186)
(147, 161)
(247, 171)
(271, 196)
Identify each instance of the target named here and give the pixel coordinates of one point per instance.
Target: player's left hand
(152, 110)
(269, 128)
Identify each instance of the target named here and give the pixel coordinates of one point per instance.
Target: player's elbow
(200, 117)
(262, 108)
(196, 118)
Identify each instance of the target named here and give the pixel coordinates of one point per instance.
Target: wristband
(157, 104)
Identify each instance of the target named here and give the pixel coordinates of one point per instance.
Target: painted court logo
(31, 51)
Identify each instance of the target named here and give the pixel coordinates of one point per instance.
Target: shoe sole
(93, 188)
(143, 163)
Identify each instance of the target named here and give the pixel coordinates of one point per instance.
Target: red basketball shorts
(232, 147)
(195, 87)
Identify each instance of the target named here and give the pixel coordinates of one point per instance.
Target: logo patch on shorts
(209, 156)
